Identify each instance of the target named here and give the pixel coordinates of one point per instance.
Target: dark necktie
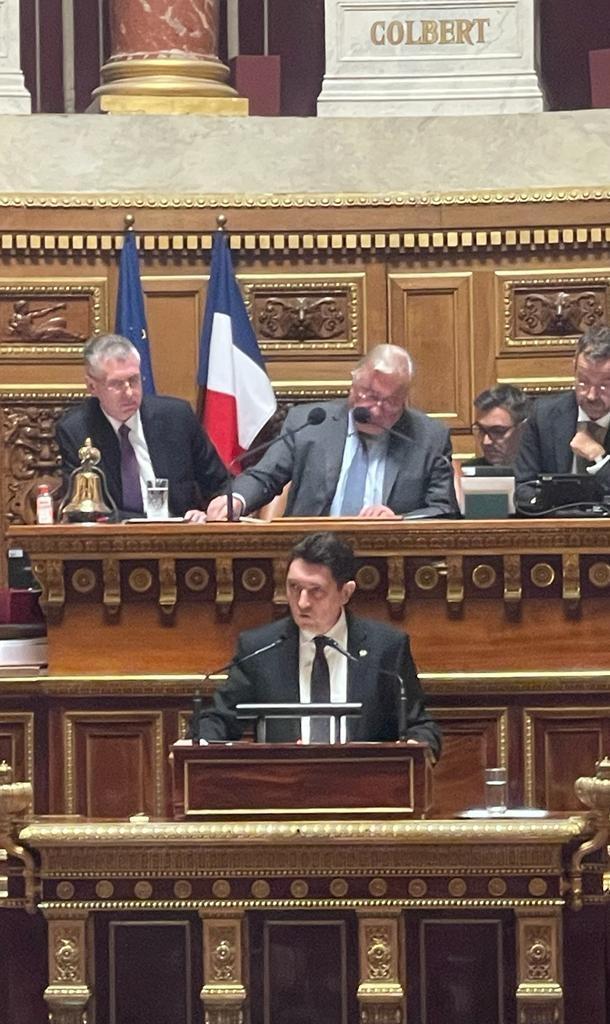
(355, 483)
(598, 433)
(130, 473)
(319, 731)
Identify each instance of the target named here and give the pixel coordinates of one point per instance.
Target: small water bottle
(44, 506)
(496, 785)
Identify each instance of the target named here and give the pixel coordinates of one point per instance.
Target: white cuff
(600, 461)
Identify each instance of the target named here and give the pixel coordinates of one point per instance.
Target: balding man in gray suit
(371, 456)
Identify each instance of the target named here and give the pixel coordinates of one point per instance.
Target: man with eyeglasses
(568, 433)
(500, 414)
(371, 456)
(141, 437)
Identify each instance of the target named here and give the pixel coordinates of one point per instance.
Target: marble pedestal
(430, 58)
(14, 97)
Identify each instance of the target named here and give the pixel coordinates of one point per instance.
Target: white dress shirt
(378, 450)
(337, 667)
(603, 421)
(138, 443)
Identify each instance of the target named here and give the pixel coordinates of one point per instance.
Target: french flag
(237, 395)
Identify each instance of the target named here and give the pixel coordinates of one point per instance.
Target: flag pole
(221, 222)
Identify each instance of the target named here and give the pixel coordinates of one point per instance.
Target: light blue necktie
(355, 484)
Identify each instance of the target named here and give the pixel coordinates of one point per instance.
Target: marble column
(165, 61)
(14, 97)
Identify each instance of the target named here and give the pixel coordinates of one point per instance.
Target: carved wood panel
(562, 744)
(431, 315)
(114, 763)
(474, 738)
(17, 743)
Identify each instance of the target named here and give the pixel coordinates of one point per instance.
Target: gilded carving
(253, 579)
(484, 576)
(418, 888)
(143, 890)
(223, 954)
(260, 889)
(65, 890)
(599, 574)
(111, 573)
(168, 590)
(66, 955)
(140, 580)
(196, 579)
(31, 456)
(571, 580)
(299, 888)
(457, 887)
(221, 889)
(183, 889)
(225, 593)
(378, 887)
(552, 311)
(537, 887)
(542, 574)
(296, 313)
(104, 889)
(427, 577)
(368, 577)
(83, 580)
(338, 887)
(378, 952)
(43, 323)
(538, 953)
(496, 887)
(300, 318)
(397, 592)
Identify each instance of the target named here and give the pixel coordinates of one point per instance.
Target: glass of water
(157, 499)
(496, 786)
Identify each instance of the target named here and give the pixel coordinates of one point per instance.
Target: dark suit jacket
(545, 442)
(179, 449)
(273, 677)
(418, 475)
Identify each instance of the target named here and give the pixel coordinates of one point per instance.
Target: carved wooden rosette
(223, 994)
(539, 989)
(67, 993)
(380, 992)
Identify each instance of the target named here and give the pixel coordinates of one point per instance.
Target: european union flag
(130, 313)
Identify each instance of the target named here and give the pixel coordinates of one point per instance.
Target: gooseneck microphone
(233, 663)
(403, 702)
(315, 416)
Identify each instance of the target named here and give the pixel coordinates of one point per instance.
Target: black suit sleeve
(529, 462)
(420, 724)
(220, 722)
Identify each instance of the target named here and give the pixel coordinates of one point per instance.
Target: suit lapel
(288, 730)
(334, 442)
(357, 689)
(396, 457)
(562, 432)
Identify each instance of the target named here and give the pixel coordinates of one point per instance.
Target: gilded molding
(136, 201)
(89, 906)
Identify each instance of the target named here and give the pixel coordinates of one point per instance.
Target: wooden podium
(285, 780)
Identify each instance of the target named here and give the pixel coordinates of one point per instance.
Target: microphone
(363, 415)
(403, 703)
(315, 416)
(234, 662)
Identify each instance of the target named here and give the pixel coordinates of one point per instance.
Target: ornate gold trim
(113, 200)
(291, 904)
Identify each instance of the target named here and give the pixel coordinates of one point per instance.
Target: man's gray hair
(107, 346)
(388, 359)
(594, 344)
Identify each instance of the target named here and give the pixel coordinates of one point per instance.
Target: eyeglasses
(583, 385)
(133, 383)
(493, 433)
(390, 403)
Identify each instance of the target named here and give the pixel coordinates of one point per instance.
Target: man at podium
(320, 654)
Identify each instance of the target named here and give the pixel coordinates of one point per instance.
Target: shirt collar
(338, 632)
(603, 421)
(134, 422)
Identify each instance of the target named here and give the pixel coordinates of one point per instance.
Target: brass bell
(88, 499)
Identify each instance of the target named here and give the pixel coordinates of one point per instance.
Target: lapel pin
(362, 654)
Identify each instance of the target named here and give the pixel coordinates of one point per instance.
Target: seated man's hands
(194, 515)
(217, 512)
(377, 512)
(586, 446)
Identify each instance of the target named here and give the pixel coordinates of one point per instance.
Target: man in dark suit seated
(140, 437)
(299, 665)
(568, 433)
(370, 455)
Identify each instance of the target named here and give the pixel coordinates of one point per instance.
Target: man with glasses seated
(370, 455)
(141, 437)
(568, 433)
(500, 414)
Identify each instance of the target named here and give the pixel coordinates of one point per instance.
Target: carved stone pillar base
(67, 993)
(167, 85)
(539, 992)
(223, 994)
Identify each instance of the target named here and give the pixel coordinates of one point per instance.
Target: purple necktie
(130, 473)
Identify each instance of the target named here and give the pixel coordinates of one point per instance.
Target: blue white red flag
(130, 313)
(238, 398)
